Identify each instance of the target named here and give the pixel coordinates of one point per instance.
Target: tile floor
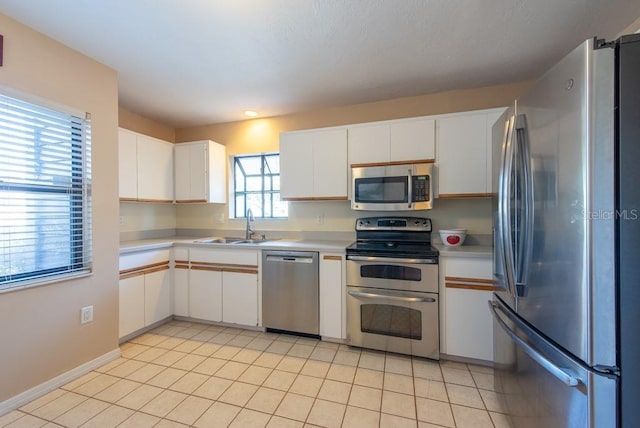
(186, 374)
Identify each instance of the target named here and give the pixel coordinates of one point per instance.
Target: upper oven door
(395, 274)
(391, 187)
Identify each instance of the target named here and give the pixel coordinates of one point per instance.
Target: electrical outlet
(121, 220)
(86, 314)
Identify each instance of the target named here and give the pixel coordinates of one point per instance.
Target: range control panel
(408, 224)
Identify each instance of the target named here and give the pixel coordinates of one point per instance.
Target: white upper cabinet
(464, 154)
(369, 144)
(313, 165)
(155, 170)
(200, 172)
(127, 165)
(412, 140)
(145, 168)
(393, 141)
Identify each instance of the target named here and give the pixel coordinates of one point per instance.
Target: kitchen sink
(231, 240)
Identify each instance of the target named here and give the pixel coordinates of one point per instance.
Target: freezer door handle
(504, 205)
(561, 373)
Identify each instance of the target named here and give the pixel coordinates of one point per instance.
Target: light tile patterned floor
(186, 374)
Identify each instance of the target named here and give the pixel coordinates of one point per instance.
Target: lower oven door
(393, 321)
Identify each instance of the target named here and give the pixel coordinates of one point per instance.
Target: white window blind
(45, 194)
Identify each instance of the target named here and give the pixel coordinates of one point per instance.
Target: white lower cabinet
(223, 285)
(240, 298)
(131, 317)
(332, 296)
(466, 319)
(145, 290)
(181, 281)
(205, 293)
(157, 296)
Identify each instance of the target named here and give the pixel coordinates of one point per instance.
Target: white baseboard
(37, 391)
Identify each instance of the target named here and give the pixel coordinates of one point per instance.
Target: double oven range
(392, 287)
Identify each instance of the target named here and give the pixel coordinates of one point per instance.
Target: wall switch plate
(86, 314)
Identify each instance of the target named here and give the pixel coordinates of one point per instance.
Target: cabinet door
(127, 165)
(198, 171)
(466, 322)
(469, 324)
(330, 164)
(155, 169)
(491, 121)
(412, 140)
(462, 155)
(205, 294)
(157, 296)
(332, 291)
(131, 305)
(240, 298)
(216, 173)
(368, 144)
(181, 282)
(182, 175)
(296, 165)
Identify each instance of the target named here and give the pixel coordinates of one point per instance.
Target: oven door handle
(392, 260)
(387, 297)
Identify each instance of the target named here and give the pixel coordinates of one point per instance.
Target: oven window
(391, 272)
(391, 320)
(382, 189)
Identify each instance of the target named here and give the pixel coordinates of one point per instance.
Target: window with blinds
(45, 194)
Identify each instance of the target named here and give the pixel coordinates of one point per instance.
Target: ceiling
(194, 62)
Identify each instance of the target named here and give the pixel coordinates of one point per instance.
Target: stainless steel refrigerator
(567, 244)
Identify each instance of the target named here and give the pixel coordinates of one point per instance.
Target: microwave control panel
(420, 188)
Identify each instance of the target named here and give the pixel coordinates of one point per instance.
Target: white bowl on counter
(453, 237)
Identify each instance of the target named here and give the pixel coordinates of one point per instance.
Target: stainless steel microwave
(404, 187)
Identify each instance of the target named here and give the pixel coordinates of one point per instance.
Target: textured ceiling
(193, 62)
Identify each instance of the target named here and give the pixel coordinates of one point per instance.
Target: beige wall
(262, 135)
(137, 123)
(40, 334)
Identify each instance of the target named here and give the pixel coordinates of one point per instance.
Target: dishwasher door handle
(289, 259)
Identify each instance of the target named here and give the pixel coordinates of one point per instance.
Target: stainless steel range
(392, 286)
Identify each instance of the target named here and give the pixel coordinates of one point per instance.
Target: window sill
(22, 285)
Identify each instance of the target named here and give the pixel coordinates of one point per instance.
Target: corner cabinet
(200, 172)
(313, 165)
(145, 168)
(464, 154)
(332, 296)
(467, 286)
(394, 141)
(145, 290)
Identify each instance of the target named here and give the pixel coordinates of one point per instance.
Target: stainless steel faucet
(249, 232)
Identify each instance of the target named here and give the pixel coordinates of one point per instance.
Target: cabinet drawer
(228, 256)
(144, 258)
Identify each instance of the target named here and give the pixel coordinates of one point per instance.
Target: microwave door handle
(410, 188)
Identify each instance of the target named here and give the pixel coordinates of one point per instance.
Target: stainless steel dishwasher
(290, 293)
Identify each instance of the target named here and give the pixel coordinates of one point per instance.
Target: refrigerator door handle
(504, 205)
(562, 374)
(525, 241)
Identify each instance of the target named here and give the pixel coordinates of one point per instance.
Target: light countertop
(465, 250)
(279, 244)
